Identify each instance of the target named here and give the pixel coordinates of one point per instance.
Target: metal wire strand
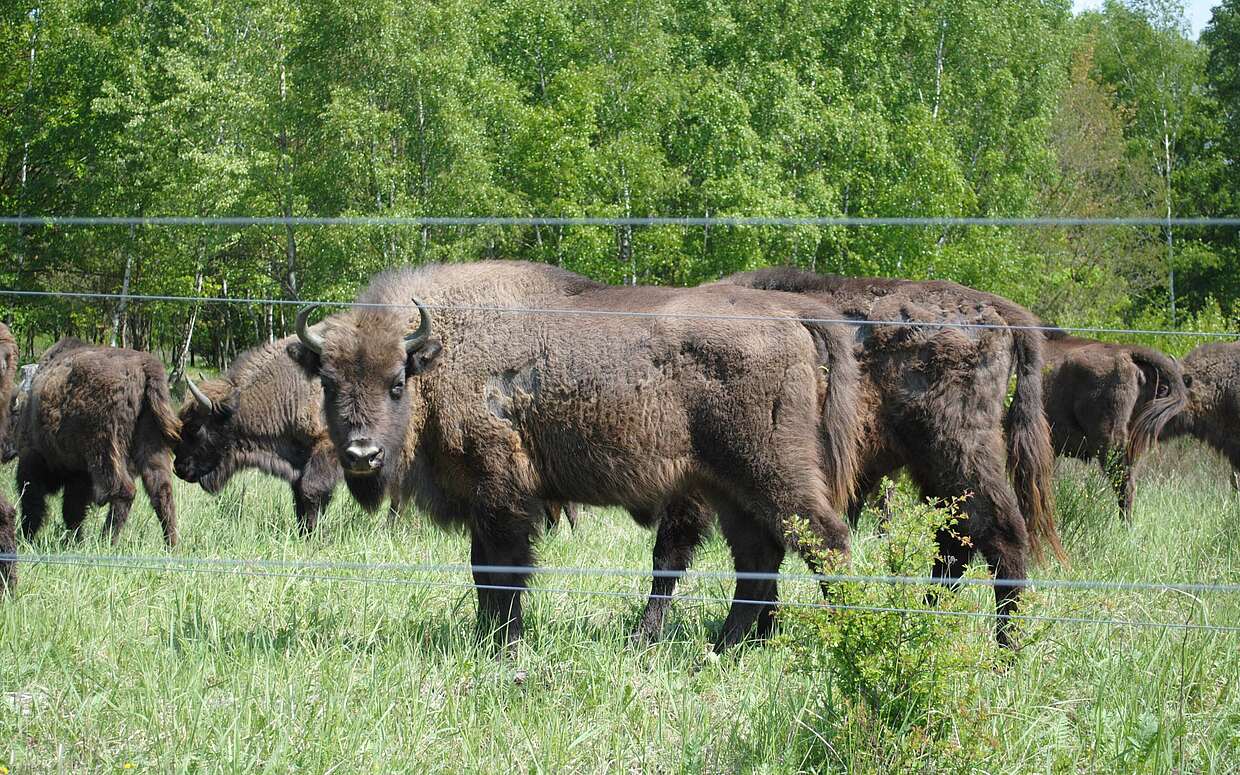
(129, 297)
(453, 568)
(241, 570)
(232, 221)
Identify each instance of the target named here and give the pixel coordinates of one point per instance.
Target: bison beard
(1109, 402)
(8, 542)
(932, 400)
(496, 415)
(1212, 374)
(263, 413)
(95, 418)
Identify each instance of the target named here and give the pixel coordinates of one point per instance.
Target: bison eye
(398, 389)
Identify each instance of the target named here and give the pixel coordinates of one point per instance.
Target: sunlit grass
(168, 671)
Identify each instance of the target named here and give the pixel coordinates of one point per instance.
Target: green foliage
(890, 665)
(605, 108)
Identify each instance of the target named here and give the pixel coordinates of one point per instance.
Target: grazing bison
(1108, 402)
(8, 540)
(264, 413)
(488, 416)
(94, 418)
(1212, 374)
(932, 400)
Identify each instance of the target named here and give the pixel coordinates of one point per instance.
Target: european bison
(8, 540)
(490, 415)
(1212, 373)
(933, 400)
(1108, 402)
(264, 413)
(95, 417)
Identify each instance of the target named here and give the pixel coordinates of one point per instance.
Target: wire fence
(613, 313)
(359, 572)
(335, 571)
(242, 221)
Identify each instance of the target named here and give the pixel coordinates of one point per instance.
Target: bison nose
(363, 455)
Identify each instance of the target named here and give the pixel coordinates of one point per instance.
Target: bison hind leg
(754, 550)
(119, 496)
(157, 480)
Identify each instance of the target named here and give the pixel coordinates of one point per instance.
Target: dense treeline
(609, 107)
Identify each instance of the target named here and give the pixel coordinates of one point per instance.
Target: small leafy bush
(897, 689)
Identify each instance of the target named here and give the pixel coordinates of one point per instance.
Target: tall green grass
(120, 670)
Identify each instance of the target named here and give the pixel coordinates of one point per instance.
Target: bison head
(206, 434)
(364, 365)
(21, 394)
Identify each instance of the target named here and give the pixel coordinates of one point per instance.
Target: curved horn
(412, 340)
(199, 396)
(312, 341)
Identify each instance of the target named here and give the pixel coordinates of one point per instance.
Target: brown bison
(932, 400)
(264, 413)
(486, 416)
(94, 418)
(8, 540)
(1212, 374)
(1108, 402)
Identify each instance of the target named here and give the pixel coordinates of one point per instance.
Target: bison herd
(496, 395)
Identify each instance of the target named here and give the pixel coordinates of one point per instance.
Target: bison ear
(304, 357)
(228, 407)
(424, 358)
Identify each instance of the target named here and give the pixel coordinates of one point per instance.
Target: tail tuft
(1030, 455)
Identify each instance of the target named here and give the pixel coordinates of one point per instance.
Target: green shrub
(897, 688)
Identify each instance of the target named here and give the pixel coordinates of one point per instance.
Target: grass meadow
(110, 670)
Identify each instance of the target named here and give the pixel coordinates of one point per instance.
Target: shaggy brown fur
(1212, 373)
(8, 542)
(1108, 402)
(932, 399)
(264, 413)
(497, 413)
(94, 419)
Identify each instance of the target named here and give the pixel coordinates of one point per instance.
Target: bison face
(207, 437)
(21, 394)
(365, 367)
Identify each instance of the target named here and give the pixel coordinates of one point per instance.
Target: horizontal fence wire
(233, 221)
(254, 569)
(128, 297)
(1192, 587)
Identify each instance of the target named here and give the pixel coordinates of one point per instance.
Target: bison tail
(159, 402)
(840, 430)
(1030, 457)
(1150, 421)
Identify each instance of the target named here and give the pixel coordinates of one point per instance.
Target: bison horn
(413, 340)
(203, 400)
(311, 341)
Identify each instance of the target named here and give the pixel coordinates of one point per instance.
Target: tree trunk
(118, 316)
(182, 353)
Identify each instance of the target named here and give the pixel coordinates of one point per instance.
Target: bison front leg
(312, 491)
(77, 501)
(500, 541)
(680, 532)
(32, 478)
(1118, 469)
